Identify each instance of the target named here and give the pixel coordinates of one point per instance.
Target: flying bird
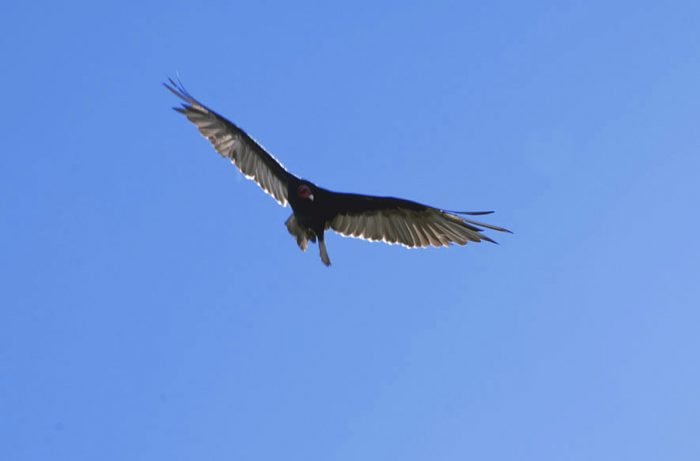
(315, 209)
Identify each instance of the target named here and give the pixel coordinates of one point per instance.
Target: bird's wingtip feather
(178, 89)
(472, 213)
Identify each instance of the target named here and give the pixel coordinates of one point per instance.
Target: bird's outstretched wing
(235, 144)
(403, 222)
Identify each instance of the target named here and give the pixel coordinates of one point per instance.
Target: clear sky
(155, 308)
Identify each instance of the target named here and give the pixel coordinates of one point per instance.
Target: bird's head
(304, 192)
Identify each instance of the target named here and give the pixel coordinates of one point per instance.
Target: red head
(304, 192)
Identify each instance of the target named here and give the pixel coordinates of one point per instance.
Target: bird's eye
(304, 191)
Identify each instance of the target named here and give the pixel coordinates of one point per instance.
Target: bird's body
(315, 209)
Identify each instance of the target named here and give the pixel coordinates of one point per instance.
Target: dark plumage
(315, 209)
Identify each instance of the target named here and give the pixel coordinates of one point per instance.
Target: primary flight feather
(315, 209)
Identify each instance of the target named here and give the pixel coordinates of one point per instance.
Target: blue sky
(154, 306)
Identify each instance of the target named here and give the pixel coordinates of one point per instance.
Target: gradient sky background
(155, 308)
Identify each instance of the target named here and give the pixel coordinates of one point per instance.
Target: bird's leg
(297, 231)
(322, 249)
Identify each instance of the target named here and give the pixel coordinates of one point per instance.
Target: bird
(316, 209)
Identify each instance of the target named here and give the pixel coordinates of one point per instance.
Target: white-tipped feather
(432, 236)
(414, 240)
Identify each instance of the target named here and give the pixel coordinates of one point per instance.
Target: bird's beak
(311, 197)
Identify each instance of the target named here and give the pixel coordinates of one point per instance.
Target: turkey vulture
(315, 209)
